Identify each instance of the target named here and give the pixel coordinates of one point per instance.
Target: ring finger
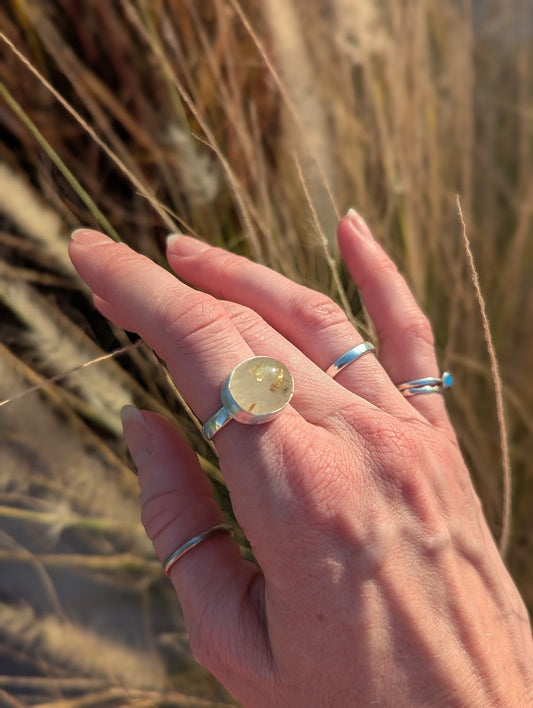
(405, 336)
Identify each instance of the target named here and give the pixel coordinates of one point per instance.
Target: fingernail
(181, 245)
(89, 237)
(137, 434)
(359, 225)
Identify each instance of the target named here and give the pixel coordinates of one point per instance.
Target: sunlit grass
(253, 125)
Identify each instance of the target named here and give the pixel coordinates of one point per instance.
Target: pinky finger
(406, 345)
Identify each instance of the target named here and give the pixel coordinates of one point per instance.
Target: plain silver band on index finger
(350, 356)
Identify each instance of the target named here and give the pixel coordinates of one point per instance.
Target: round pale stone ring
(256, 391)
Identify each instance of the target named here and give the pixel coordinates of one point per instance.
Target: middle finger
(309, 319)
(190, 330)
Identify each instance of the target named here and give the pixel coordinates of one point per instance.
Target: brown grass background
(253, 125)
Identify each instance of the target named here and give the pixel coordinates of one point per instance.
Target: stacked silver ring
(429, 384)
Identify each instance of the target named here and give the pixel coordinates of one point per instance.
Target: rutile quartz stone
(257, 389)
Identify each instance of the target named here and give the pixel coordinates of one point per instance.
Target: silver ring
(429, 384)
(192, 543)
(256, 391)
(349, 356)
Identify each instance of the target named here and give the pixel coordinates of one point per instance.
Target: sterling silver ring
(192, 543)
(256, 391)
(429, 384)
(350, 356)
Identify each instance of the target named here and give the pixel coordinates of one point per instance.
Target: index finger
(189, 329)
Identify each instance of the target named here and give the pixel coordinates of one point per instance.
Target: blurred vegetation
(253, 125)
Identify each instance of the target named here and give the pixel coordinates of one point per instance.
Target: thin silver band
(415, 390)
(428, 384)
(215, 423)
(192, 543)
(350, 356)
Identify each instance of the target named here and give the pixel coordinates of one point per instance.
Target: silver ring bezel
(231, 409)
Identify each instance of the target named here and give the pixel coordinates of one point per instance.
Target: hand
(379, 582)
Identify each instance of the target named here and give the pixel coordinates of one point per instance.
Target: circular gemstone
(447, 379)
(257, 389)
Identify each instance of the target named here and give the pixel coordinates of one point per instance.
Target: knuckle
(308, 488)
(418, 328)
(405, 470)
(383, 270)
(315, 312)
(200, 316)
(414, 322)
(114, 262)
(390, 438)
(245, 320)
(392, 449)
(312, 488)
(158, 512)
(224, 261)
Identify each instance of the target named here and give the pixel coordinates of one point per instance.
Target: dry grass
(252, 124)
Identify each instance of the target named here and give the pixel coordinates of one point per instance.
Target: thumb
(221, 594)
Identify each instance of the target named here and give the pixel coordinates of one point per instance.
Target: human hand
(379, 582)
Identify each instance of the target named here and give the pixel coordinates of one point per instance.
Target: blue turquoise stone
(447, 379)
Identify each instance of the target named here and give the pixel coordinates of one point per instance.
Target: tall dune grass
(253, 125)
